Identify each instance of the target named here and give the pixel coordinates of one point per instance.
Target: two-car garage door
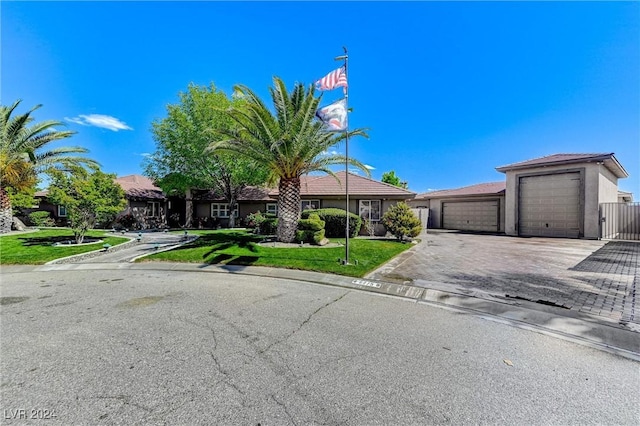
(549, 205)
(471, 215)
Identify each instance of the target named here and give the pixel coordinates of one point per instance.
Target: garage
(549, 205)
(481, 216)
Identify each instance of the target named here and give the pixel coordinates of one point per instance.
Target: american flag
(336, 78)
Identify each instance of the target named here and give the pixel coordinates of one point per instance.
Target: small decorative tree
(401, 222)
(90, 198)
(311, 230)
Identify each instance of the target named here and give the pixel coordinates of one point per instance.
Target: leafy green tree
(23, 155)
(180, 163)
(23, 199)
(392, 179)
(89, 197)
(401, 221)
(288, 142)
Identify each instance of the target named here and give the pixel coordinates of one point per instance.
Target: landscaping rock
(18, 225)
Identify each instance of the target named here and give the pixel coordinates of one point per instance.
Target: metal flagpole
(346, 161)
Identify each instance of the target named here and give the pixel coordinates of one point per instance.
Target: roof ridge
(565, 154)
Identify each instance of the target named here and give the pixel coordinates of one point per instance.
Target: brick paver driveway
(593, 277)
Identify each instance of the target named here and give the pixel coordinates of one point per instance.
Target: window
(309, 204)
(272, 208)
(370, 210)
(221, 210)
(153, 209)
(62, 211)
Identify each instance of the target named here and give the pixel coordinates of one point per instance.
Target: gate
(422, 214)
(620, 221)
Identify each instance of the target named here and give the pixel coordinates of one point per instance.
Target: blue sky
(449, 90)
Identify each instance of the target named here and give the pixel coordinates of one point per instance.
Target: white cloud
(368, 167)
(99, 120)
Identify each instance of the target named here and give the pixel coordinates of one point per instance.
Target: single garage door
(471, 215)
(549, 205)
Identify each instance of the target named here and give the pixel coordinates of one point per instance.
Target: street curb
(578, 327)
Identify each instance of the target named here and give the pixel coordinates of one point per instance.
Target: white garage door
(471, 215)
(549, 205)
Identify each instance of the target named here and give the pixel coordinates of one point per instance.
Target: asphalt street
(173, 347)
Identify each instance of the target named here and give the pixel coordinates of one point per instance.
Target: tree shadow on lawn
(218, 242)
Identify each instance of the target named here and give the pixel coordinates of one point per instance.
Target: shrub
(335, 221)
(310, 230)
(401, 222)
(263, 223)
(126, 221)
(41, 218)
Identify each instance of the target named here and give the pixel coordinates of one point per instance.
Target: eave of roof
(608, 159)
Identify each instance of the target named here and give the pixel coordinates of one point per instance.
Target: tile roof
(251, 193)
(327, 185)
(608, 159)
(489, 188)
(137, 186)
(322, 186)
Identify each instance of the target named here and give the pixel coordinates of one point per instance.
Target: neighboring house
(368, 198)
(145, 201)
(554, 196)
(625, 197)
(57, 213)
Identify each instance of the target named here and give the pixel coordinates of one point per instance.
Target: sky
(448, 90)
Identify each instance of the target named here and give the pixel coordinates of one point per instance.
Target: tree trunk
(188, 215)
(233, 204)
(288, 209)
(6, 212)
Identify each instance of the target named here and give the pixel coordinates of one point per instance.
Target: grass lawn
(236, 247)
(36, 248)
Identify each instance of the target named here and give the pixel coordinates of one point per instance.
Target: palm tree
(22, 156)
(289, 143)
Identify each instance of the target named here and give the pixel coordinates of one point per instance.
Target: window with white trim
(370, 210)
(62, 211)
(272, 208)
(221, 210)
(309, 205)
(153, 209)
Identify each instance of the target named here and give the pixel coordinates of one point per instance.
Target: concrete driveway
(597, 278)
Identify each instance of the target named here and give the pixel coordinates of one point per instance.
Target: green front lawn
(236, 247)
(36, 248)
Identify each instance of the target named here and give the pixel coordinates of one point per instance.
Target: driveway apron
(598, 278)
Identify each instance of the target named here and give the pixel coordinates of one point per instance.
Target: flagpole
(346, 161)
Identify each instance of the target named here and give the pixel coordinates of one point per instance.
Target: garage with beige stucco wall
(596, 181)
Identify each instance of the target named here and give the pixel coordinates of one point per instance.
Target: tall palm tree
(22, 156)
(289, 143)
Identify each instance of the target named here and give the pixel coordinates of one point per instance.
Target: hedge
(335, 221)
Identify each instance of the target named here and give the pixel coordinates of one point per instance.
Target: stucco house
(557, 195)
(368, 198)
(151, 207)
